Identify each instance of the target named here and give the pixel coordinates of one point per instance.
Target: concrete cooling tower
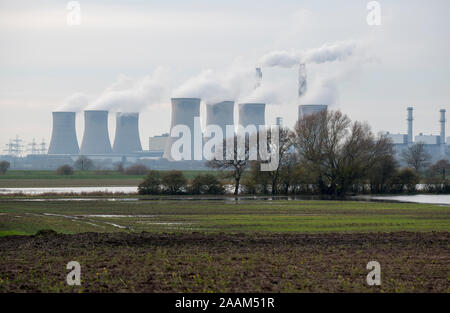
(308, 109)
(184, 110)
(221, 114)
(95, 137)
(64, 137)
(127, 138)
(252, 113)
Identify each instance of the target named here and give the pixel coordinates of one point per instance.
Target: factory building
(435, 145)
(158, 143)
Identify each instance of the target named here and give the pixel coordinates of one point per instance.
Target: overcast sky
(43, 61)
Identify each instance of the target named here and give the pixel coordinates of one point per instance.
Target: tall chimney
(410, 125)
(258, 77)
(302, 85)
(442, 132)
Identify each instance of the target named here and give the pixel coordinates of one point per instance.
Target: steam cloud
(214, 86)
(129, 95)
(74, 103)
(125, 95)
(236, 83)
(337, 51)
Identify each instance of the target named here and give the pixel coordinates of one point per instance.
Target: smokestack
(252, 114)
(184, 110)
(279, 121)
(221, 114)
(127, 133)
(410, 125)
(442, 120)
(309, 109)
(64, 137)
(95, 137)
(302, 85)
(258, 77)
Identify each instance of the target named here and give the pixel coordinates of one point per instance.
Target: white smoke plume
(337, 51)
(322, 91)
(74, 103)
(216, 86)
(128, 95)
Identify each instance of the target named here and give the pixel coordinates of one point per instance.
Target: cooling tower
(95, 137)
(184, 110)
(127, 138)
(221, 114)
(64, 137)
(308, 109)
(252, 114)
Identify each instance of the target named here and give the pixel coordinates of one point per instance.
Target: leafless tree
(284, 144)
(441, 167)
(233, 162)
(416, 156)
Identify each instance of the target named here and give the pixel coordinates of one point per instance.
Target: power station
(435, 145)
(96, 144)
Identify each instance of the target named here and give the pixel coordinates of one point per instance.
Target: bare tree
(232, 161)
(416, 156)
(284, 144)
(84, 164)
(441, 167)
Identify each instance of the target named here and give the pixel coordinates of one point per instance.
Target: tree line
(328, 154)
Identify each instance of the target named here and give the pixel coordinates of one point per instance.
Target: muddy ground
(219, 262)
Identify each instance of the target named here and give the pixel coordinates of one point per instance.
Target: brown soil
(198, 262)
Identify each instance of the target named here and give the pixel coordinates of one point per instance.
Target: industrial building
(435, 145)
(158, 143)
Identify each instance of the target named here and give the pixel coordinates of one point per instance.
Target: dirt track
(197, 262)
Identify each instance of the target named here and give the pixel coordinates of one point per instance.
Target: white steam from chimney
(128, 95)
(74, 103)
(338, 51)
